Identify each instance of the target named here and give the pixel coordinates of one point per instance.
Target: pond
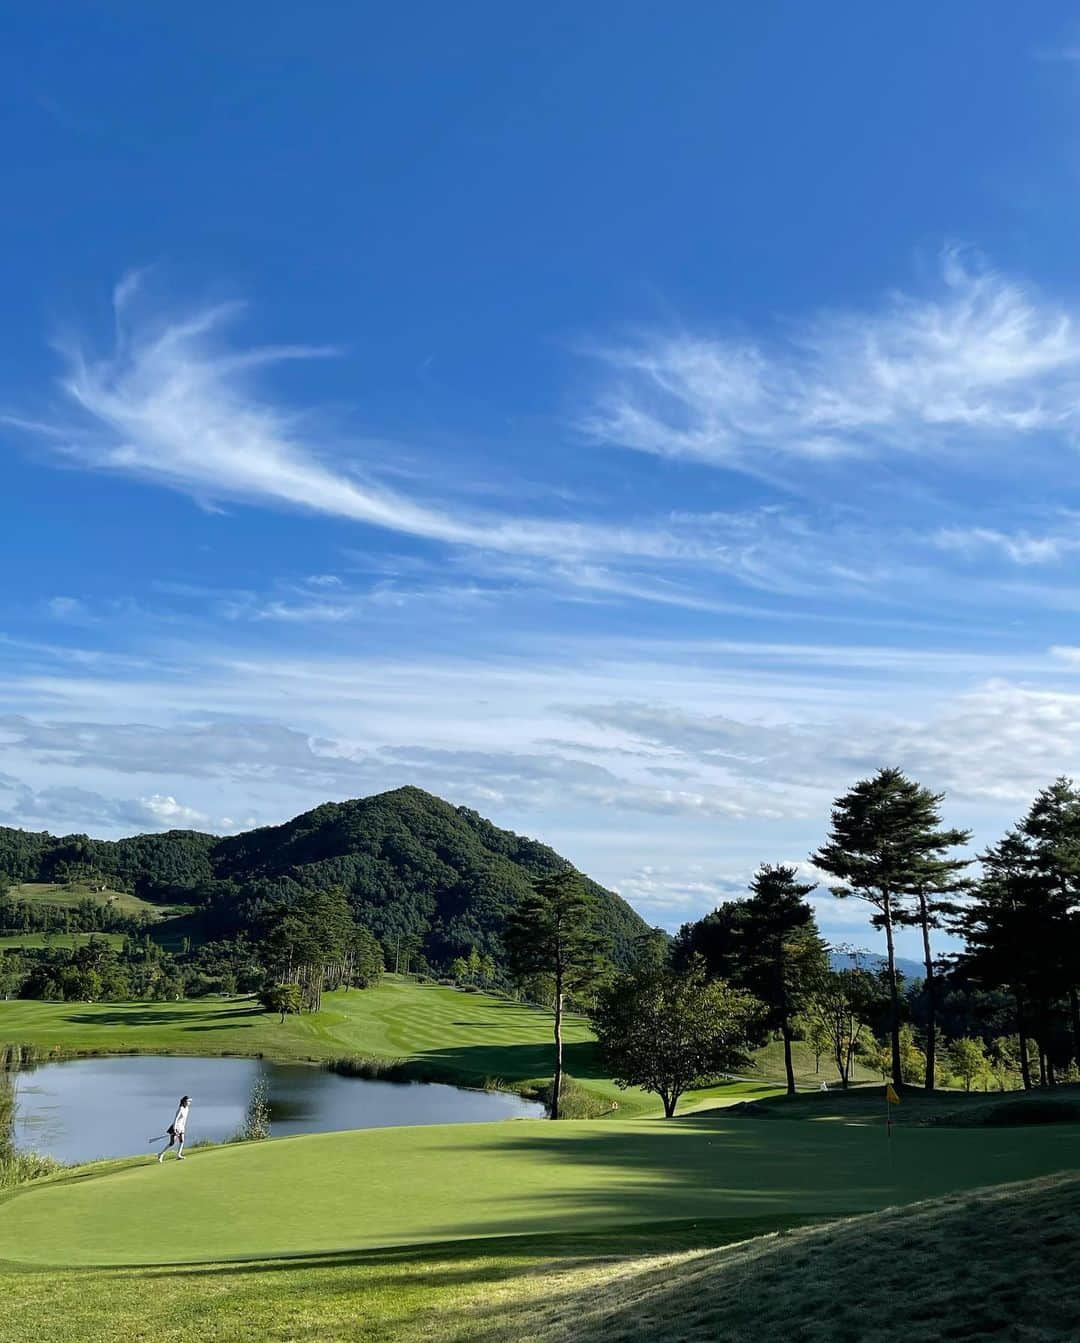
(82, 1109)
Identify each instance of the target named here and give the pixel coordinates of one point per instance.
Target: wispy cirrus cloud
(181, 401)
(177, 401)
(1019, 547)
(980, 359)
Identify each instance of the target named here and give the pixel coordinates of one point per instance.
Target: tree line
(690, 1010)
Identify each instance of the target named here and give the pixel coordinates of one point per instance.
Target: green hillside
(68, 895)
(416, 868)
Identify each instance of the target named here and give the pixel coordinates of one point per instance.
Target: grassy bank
(998, 1263)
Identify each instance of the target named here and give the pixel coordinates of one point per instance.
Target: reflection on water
(87, 1108)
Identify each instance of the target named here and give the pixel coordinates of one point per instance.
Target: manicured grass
(598, 1233)
(865, 1105)
(469, 1290)
(446, 1035)
(339, 1192)
(59, 940)
(994, 1263)
(582, 1231)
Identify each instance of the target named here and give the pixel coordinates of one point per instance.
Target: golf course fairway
(341, 1192)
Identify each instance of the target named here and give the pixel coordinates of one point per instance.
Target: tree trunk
(556, 1081)
(1025, 1065)
(894, 995)
(785, 1030)
(931, 993)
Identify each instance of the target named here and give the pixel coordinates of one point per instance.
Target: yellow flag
(890, 1094)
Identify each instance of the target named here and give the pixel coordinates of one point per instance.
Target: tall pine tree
(885, 839)
(781, 952)
(551, 933)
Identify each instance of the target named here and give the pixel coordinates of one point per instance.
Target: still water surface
(87, 1108)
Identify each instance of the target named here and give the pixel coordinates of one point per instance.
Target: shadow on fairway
(511, 1060)
(478, 1260)
(223, 1018)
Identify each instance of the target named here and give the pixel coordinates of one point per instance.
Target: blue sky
(634, 422)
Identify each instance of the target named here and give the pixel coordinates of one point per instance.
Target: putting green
(347, 1191)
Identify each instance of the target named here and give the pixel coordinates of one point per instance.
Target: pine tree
(885, 842)
(780, 952)
(551, 933)
(1049, 837)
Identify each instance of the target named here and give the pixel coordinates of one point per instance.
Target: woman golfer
(177, 1129)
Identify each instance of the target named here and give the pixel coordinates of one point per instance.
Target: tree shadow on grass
(482, 1258)
(224, 1018)
(511, 1062)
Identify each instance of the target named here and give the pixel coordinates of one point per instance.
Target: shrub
(25, 1166)
(256, 1125)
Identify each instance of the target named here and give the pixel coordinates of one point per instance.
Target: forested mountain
(418, 871)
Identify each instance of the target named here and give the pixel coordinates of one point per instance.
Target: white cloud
(66, 807)
(982, 360)
(1019, 547)
(167, 811)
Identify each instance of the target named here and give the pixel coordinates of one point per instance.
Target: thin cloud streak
(982, 360)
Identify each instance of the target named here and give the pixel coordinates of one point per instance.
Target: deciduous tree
(967, 1058)
(666, 1029)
